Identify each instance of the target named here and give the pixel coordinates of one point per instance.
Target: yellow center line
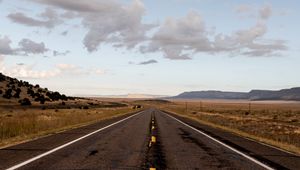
(153, 139)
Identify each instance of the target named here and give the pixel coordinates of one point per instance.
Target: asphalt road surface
(147, 139)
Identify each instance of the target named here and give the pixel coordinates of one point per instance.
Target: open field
(21, 123)
(272, 122)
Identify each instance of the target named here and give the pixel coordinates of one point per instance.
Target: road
(147, 139)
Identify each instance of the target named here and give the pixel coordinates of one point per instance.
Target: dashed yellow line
(153, 139)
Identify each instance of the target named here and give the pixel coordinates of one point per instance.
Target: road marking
(223, 144)
(153, 139)
(282, 150)
(67, 144)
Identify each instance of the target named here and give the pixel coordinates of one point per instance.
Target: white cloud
(29, 71)
(66, 66)
(26, 71)
(71, 69)
(97, 71)
(77, 70)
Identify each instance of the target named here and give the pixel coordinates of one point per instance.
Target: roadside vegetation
(28, 111)
(274, 123)
(19, 125)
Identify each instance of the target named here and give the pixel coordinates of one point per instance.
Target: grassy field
(276, 123)
(20, 123)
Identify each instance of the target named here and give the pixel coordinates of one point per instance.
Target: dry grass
(17, 125)
(274, 123)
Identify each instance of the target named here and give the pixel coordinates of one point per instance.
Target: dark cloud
(148, 62)
(179, 39)
(81, 6)
(28, 46)
(5, 48)
(64, 33)
(49, 19)
(25, 47)
(57, 53)
(176, 38)
(265, 12)
(124, 28)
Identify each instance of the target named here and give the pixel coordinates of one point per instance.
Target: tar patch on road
(93, 152)
(219, 162)
(154, 156)
(186, 137)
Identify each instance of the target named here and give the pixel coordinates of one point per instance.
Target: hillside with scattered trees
(14, 90)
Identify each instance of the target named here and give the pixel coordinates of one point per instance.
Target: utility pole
(186, 107)
(249, 109)
(200, 105)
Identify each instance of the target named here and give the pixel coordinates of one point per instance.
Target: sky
(161, 47)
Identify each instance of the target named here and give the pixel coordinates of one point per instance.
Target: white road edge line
(282, 150)
(225, 145)
(67, 144)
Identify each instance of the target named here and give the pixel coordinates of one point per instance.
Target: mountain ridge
(283, 94)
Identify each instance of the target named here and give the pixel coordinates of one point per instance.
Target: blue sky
(98, 47)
